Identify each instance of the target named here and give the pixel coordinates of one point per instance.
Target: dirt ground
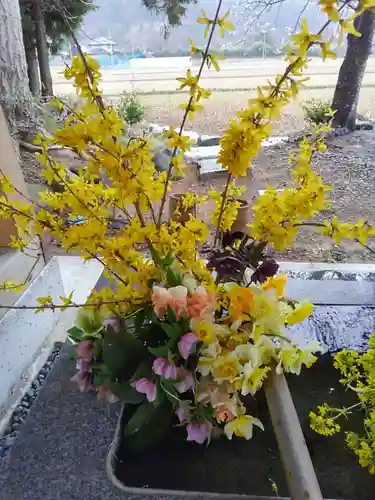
(348, 166)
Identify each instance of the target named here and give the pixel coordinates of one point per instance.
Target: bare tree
(42, 48)
(15, 96)
(348, 87)
(346, 95)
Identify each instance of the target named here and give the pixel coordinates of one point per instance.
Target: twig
(223, 201)
(6, 288)
(65, 306)
(187, 110)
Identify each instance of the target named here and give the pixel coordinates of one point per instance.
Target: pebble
(21, 411)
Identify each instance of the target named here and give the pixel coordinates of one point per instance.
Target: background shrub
(130, 108)
(315, 110)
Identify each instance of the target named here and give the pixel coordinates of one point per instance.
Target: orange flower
(276, 283)
(200, 303)
(241, 301)
(223, 414)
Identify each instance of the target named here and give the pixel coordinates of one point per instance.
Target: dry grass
(222, 106)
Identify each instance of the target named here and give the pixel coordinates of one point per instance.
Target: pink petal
(199, 432)
(182, 413)
(186, 344)
(84, 350)
(159, 365)
(187, 382)
(83, 381)
(162, 367)
(147, 387)
(170, 371)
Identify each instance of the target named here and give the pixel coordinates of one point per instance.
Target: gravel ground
(20, 413)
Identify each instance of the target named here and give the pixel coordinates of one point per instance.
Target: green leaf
(152, 426)
(173, 279)
(171, 315)
(167, 261)
(126, 393)
(172, 330)
(122, 353)
(75, 333)
(160, 351)
(139, 320)
(140, 417)
(155, 256)
(100, 378)
(185, 325)
(97, 348)
(91, 322)
(143, 370)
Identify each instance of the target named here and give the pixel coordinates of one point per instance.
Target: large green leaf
(140, 417)
(122, 353)
(161, 351)
(75, 334)
(91, 322)
(148, 425)
(172, 330)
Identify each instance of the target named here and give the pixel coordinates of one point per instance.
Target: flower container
(179, 213)
(240, 467)
(243, 217)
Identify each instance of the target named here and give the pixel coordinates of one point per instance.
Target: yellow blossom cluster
(238, 352)
(357, 374)
(226, 212)
(278, 215)
(114, 211)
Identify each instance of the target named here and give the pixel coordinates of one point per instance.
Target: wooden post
(243, 217)
(11, 168)
(177, 212)
(298, 467)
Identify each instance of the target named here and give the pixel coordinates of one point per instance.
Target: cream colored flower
(242, 427)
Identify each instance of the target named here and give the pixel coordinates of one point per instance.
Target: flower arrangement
(182, 338)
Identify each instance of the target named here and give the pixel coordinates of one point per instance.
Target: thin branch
(187, 110)
(64, 306)
(26, 280)
(223, 202)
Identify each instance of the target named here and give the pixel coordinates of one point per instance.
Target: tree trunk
(345, 98)
(15, 96)
(42, 47)
(32, 69)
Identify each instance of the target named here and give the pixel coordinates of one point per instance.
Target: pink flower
(187, 381)
(174, 297)
(200, 303)
(186, 344)
(162, 367)
(83, 380)
(147, 387)
(183, 411)
(84, 350)
(199, 432)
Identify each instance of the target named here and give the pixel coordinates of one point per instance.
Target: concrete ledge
(26, 338)
(326, 266)
(332, 292)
